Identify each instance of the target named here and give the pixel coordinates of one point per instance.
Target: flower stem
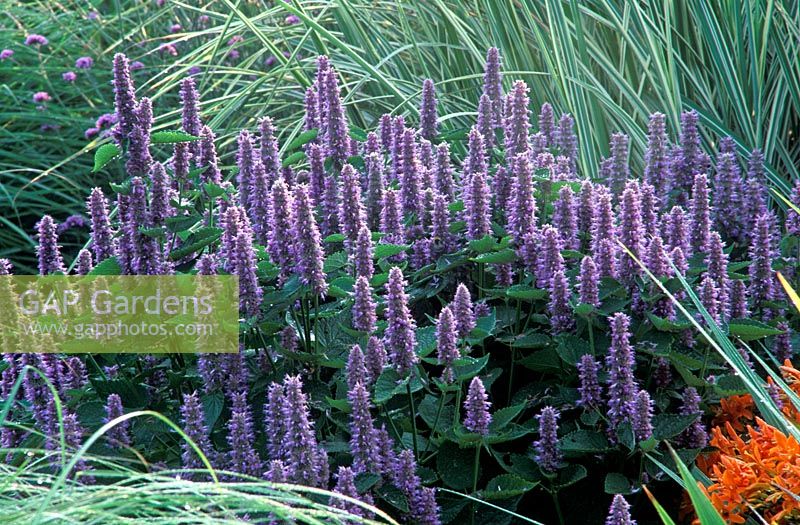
(413, 417)
(475, 469)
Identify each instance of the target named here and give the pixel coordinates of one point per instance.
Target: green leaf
(469, 367)
(617, 483)
(665, 325)
(181, 223)
(104, 154)
(393, 496)
(506, 486)
(502, 257)
(212, 408)
(532, 340)
(365, 481)
(109, 266)
(584, 442)
(214, 190)
(483, 245)
(387, 250)
(123, 188)
(750, 329)
(339, 404)
(302, 139)
(570, 475)
(171, 137)
(666, 426)
(454, 465)
(334, 237)
(388, 385)
(525, 292)
(197, 242)
(503, 417)
(294, 158)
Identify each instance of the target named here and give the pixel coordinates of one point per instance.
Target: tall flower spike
(522, 216)
(565, 218)
(547, 123)
(642, 418)
(656, 160)
(631, 231)
(363, 445)
(558, 307)
(160, 195)
(586, 207)
(603, 223)
(391, 218)
(316, 173)
(270, 158)
(709, 297)
(274, 423)
(375, 358)
(306, 461)
(364, 253)
(386, 132)
(485, 123)
(180, 164)
(620, 512)
(782, 346)
(588, 279)
(83, 263)
(739, 308)
(762, 279)
(139, 158)
(676, 231)
(190, 113)
(476, 157)
(717, 262)
(549, 257)
(124, 98)
(476, 408)
(409, 174)
(427, 111)
(517, 121)
(442, 239)
(119, 435)
(695, 436)
(493, 84)
(208, 157)
(620, 363)
(727, 199)
(548, 455)
(446, 343)
(618, 170)
(336, 132)
(690, 159)
(658, 264)
(242, 457)
(329, 208)
(356, 367)
(345, 485)
(478, 207)
(244, 161)
(463, 311)
(364, 317)
(351, 210)
(567, 141)
(792, 216)
(443, 176)
(650, 209)
(399, 338)
(250, 293)
(589, 386)
(48, 250)
(193, 421)
(308, 245)
(279, 244)
(102, 241)
(399, 128)
(756, 202)
(375, 188)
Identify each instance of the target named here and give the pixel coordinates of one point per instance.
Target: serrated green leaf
(525, 292)
(387, 250)
(302, 139)
(454, 465)
(584, 442)
(171, 137)
(750, 329)
(666, 426)
(104, 154)
(616, 483)
(501, 257)
(109, 266)
(506, 486)
(294, 158)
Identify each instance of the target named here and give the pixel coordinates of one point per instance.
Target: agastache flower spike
(756, 202)
(279, 244)
(364, 252)
(190, 113)
(619, 513)
(208, 157)
(522, 217)
(193, 422)
(604, 220)
(463, 311)
(345, 485)
(782, 346)
(364, 317)
(565, 218)
(427, 112)
(548, 455)
(695, 436)
(656, 160)
(586, 207)
(727, 199)
(250, 293)
(124, 98)
(244, 161)
(620, 363)
(307, 463)
(717, 261)
(446, 344)
(139, 158)
(84, 262)
(375, 358)
(762, 279)
(517, 121)
(502, 184)
(485, 123)
(274, 423)
(316, 173)
(160, 194)
(102, 236)
(399, 338)
(547, 123)
(409, 174)
(269, 149)
(589, 387)
(631, 231)
(356, 368)
(311, 118)
(492, 84)
(391, 218)
(351, 210)
(476, 156)
(308, 250)
(363, 445)
(386, 132)
(676, 232)
(559, 309)
(120, 434)
(478, 207)
(375, 189)
(242, 457)
(642, 418)
(476, 408)
(549, 256)
(739, 308)
(618, 171)
(589, 278)
(792, 217)
(443, 176)
(48, 250)
(336, 131)
(650, 207)
(440, 227)
(567, 141)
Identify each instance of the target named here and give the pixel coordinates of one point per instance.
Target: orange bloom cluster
(755, 467)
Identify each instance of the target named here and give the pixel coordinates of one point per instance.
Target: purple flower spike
(463, 311)
(565, 218)
(690, 159)
(345, 485)
(375, 358)
(440, 227)
(124, 98)
(792, 217)
(603, 223)
(364, 253)
(139, 159)
(642, 417)
(443, 174)
(364, 317)
(190, 113)
(244, 161)
(375, 189)
(242, 457)
(618, 170)
(478, 207)
(311, 119)
(351, 210)
(306, 461)
(650, 209)
(782, 346)
(762, 250)
(409, 174)
(160, 195)
(446, 343)
(180, 164)
(656, 159)
(620, 363)
(399, 338)
(48, 250)
(620, 512)
(363, 445)
(270, 158)
(695, 436)
(102, 236)
(193, 421)
(567, 141)
(120, 434)
(208, 157)
(727, 198)
(427, 112)
(485, 123)
(738, 301)
(755, 196)
(329, 220)
(274, 423)
(476, 161)
(336, 131)
(631, 232)
(308, 250)
(586, 208)
(677, 230)
(522, 217)
(717, 261)
(559, 309)
(493, 84)
(356, 368)
(517, 121)
(589, 278)
(391, 218)
(279, 244)
(589, 387)
(316, 173)
(84, 262)
(548, 455)
(250, 293)
(547, 123)
(549, 259)
(476, 408)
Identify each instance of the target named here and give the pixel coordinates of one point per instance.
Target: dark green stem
(475, 469)
(413, 417)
